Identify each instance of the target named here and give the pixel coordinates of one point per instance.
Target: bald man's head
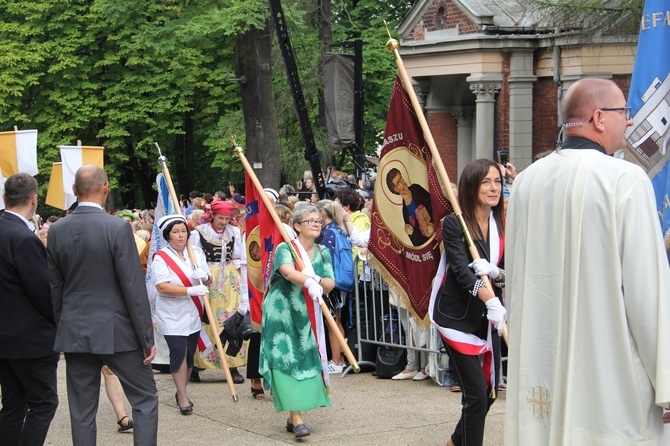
(89, 181)
(595, 109)
(585, 96)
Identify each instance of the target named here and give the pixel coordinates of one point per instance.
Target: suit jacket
(97, 286)
(27, 328)
(456, 307)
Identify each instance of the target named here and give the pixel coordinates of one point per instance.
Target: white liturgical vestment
(588, 295)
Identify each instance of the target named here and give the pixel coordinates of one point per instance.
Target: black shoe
(301, 430)
(195, 377)
(176, 398)
(237, 377)
(184, 410)
(289, 426)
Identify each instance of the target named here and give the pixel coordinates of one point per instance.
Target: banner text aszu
(392, 138)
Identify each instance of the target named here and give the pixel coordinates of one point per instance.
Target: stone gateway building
(491, 75)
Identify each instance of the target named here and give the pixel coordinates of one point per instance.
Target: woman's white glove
(483, 268)
(197, 290)
(495, 313)
(200, 274)
(314, 290)
(308, 271)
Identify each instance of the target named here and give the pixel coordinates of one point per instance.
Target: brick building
(491, 76)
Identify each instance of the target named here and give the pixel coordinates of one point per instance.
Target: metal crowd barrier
(377, 324)
(381, 327)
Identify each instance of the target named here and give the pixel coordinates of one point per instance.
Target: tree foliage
(615, 17)
(124, 74)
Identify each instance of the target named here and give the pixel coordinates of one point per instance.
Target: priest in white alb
(588, 288)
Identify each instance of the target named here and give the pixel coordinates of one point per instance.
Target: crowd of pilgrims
(296, 374)
(215, 226)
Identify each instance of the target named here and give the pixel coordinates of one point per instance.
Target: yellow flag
(55, 195)
(18, 152)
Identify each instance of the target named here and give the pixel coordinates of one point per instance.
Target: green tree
(124, 74)
(590, 17)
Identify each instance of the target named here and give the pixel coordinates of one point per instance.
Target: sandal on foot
(124, 427)
(257, 394)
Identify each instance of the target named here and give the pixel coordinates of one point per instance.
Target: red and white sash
(468, 343)
(204, 344)
(315, 314)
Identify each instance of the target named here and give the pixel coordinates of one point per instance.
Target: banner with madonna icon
(408, 209)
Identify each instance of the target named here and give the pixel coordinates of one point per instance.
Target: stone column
(485, 87)
(521, 81)
(464, 134)
(421, 88)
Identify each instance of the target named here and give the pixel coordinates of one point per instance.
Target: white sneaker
(333, 368)
(409, 375)
(420, 376)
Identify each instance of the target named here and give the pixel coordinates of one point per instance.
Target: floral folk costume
(223, 250)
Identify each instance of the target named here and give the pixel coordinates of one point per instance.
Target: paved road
(365, 411)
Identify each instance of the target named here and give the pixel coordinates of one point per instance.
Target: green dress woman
(293, 354)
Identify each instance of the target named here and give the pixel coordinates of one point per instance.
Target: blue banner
(649, 99)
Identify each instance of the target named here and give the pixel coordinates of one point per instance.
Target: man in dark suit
(102, 310)
(27, 329)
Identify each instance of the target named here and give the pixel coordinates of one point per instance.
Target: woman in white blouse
(179, 306)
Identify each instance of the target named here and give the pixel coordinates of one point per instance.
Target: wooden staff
(208, 308)
(270, 206)
(392, 46)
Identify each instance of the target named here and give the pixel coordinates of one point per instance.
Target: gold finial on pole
(392, 45)
(237, 149)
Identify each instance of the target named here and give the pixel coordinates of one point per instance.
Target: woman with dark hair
(292, 355)
(469, 315)
(179, 303)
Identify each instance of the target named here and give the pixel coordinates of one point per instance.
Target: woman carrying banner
(179, 305)
(224, 249)
(469, 315)
(293, 352)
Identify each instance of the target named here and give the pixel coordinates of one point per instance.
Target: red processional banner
(262, 239)
(408, 209)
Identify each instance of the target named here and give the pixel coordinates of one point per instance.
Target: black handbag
(390, 360)
(236, 330)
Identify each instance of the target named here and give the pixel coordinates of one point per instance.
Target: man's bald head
(89, 181)
(587, 95)
(595, 109)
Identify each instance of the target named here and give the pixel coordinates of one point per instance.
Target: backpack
(343, 262)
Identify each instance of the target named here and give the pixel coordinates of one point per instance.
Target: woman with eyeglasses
(293, 352)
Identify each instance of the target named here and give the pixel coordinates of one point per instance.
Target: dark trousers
(83, 394)
(29, 399)
(253, 356)
(476, 397)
